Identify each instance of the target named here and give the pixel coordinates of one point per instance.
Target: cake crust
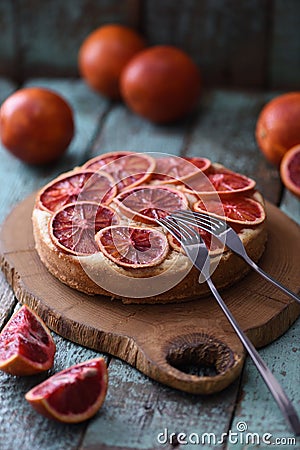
(69, 269)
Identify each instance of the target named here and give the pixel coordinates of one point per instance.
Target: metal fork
(196, 250)
(221, 230)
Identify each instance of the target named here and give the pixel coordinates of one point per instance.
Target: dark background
(242, 43)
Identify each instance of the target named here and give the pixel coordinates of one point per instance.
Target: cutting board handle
(179, 361)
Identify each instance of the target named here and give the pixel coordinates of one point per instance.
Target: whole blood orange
(36, 125)
(72, 395)
(133, 247)
(161, 83)
(104, 54)
(278, 126)
(290, 170)
(26, 345)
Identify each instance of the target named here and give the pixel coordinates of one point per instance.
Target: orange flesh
(86, 185)
(241, 210)
(221, 181)
(132, 246)
(74, 390)
(294, 169)
(174, 169)
(153, 203)
(25, 336)
(75, 226)
(126, 169)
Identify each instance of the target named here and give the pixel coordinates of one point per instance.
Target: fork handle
(271, 279)
(275, 388)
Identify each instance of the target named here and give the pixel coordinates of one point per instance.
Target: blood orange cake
(95, 227)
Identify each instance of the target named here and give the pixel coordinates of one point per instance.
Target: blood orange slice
(172, 169)
(133, 247)
(239, 210)
(72, 395)
(99, 187)
(26, 345)
(128, 169)
(221, 181)
(290, 170)
(147, 203)
(73, 227)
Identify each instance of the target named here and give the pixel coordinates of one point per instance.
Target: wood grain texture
(290, 205)
(153, 408)
(123, 130)
(256, 405)
(284, 66)
(22, 426)
(224, 132)
(227, 39)
(50, 34)
(8, 41)
(160, 340)
(7, 301)
(253, 43)
(132, 394)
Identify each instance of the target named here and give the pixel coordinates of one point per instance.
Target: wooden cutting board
(162, 341)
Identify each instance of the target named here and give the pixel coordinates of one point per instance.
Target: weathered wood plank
(224, 132)
(7, 301)
(25, 428)
(6, 88)
(51, 33)
(8, 55)
(256, 406)
(290, 205)
(152, 407)
(123, 130)
(134, 402)
(232, 42)
(138, 409)
(227, 39)
(21, 179)
(284, 67)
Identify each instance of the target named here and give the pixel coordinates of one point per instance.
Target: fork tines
(180, 229)
(201, 220)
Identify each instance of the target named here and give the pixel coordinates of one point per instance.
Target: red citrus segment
(147, 203)
(220, 181)
(290, 170)
(239, 209)
(26, 345)
(201, 163)
(85, 185)
(72, 395)
(128, 169)
(73, 227)
(172, 169)
(133, 246)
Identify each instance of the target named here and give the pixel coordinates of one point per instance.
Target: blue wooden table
(138, 413)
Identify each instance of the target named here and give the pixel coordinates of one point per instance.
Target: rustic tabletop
(139, 413)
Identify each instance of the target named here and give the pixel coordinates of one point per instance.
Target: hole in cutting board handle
(200, 354)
